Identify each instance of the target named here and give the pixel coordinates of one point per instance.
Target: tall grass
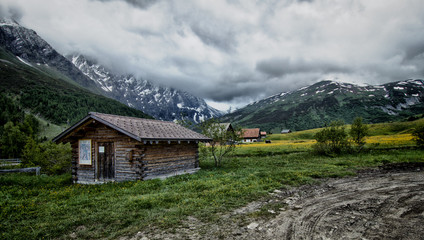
(51, 207)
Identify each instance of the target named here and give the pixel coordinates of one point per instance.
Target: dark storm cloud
(414, 50)
(233, 87)
(278, 67)
(223, 40)
(137, 3)
(12, 12)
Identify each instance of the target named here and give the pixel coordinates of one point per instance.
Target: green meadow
(37, 207)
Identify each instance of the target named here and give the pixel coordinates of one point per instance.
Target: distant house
(285, 131)
(227, 127)
(117, 148)
(263, 134)
(251, 134)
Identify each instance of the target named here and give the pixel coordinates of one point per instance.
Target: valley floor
(384, 203)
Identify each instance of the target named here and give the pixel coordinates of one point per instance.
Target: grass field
(51, 207)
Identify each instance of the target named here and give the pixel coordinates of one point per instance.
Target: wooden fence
(31, 169)
(11, 161)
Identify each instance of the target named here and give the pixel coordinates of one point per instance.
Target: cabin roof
(251, 133)
(139, 128)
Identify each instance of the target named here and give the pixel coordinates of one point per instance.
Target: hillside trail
(385, 203)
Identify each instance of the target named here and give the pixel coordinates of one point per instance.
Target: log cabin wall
(169, 157)
(134, 160)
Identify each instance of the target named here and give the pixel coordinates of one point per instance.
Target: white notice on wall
(101, 149)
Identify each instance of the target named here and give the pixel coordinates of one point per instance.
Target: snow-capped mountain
(34, 51)
(313, 106)
(31, 75)
(160, 102)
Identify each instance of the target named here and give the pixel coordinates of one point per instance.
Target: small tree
(418, 134)
(358, 132)
(332, 139)
(223, 140)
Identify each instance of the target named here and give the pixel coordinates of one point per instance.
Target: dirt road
(377, 204)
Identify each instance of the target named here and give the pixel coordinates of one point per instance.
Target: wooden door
(105, 161)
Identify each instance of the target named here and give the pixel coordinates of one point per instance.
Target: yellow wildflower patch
(396, 139)
(388, 140)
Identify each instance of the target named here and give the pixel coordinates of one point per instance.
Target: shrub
(358, 132)
(52, 158)
(418, 134)
(332, 139)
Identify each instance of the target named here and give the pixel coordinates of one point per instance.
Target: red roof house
(251, 134)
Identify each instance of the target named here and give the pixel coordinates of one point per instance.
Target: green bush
(52, 158)
(418, 134)
(358, 132)
(332, 139)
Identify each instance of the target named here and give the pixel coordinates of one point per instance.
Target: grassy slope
(50, 130)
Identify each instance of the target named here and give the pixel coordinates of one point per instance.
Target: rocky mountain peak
(158, 101)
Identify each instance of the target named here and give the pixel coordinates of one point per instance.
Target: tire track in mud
(386, 203)
(371, 206)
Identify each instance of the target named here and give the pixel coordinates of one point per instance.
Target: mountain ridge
(320, 103)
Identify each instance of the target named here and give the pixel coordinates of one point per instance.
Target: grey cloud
(137, 3)
(12, 12)
(216, 37)
(414, 50)
(229, 91)
(233, 85)
(278, 67)
(142, 3)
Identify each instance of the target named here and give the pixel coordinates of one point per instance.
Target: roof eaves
(64, 133)
(116, 128)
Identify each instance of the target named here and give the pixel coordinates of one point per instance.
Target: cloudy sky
(232, 52)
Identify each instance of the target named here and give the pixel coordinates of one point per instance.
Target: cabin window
(85, 152)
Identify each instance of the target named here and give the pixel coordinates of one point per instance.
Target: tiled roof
(263, 133)
(142, 129)
(251, 133)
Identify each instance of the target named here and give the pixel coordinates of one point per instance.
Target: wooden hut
(117, 148)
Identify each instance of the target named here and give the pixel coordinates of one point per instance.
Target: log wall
(165, 158)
